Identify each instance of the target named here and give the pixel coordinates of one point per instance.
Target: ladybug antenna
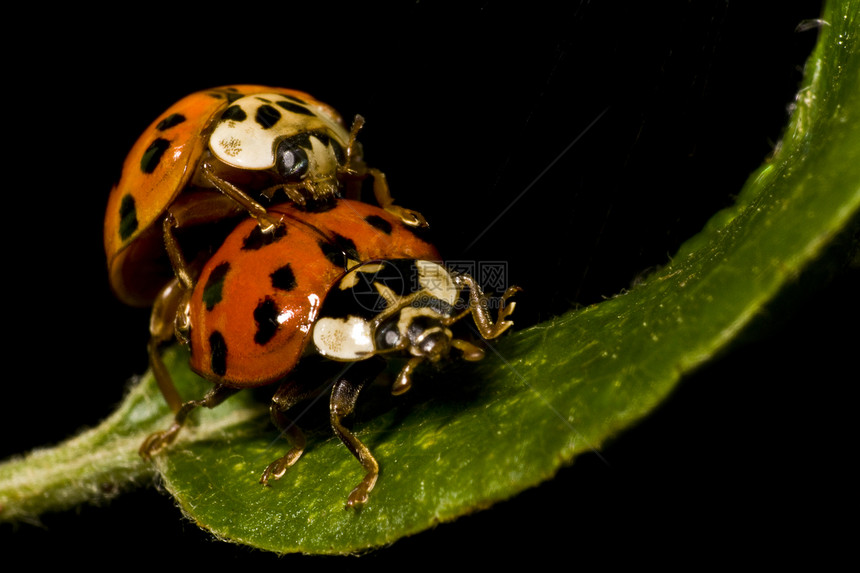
(357, 124)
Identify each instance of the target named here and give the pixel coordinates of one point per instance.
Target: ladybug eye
(292, 161)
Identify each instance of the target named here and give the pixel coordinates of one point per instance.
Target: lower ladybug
(257, 306)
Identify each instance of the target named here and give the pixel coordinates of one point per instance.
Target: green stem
(90, 467)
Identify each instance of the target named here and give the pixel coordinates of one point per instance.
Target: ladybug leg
(293, 191)
(395, 305)
(403, 382)
(470, 352)
(353, 147)
(383, 198)
(161, 330)
(344, 395)
(355, 168)
(156, 442)
(168, 319)
(290, 393)
(320, 191)
(479, 308)
(190, 210)
(177, 260)
(267, 222)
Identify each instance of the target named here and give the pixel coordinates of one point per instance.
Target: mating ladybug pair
(309, 272)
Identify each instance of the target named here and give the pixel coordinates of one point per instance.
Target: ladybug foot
(271, 225)
(155, 443)
(506, 310)
(358, 496)
(488, 329)
(409, 217)
(279, 467)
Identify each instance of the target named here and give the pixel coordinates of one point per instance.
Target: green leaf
(475, 434)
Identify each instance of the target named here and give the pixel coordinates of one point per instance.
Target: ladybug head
(297, 143)
(425, 336)
(310, 162)
(390, 307)
(419, 331)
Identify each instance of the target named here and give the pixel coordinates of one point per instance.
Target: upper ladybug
(221, 153)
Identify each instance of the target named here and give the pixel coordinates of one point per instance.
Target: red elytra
(157, 172)
(256, 298)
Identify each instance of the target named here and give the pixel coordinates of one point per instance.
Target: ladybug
(223, 153)
(352, 284)
(383, 309)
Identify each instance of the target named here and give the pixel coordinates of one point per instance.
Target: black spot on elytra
(284, 278)
(230, 94)
(214, 289)
(127, 217)
(397, 275)
(257, 239)
(234, 113)
(338, 249)
(267, 116)
(294, 108)
(295, 99)
(233, 96)
(361, 298)
(152, 156)
(266, 317)
(171, 120)
(379, 223)
(218, 353)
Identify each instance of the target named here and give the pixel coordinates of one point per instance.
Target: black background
(466, 107)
